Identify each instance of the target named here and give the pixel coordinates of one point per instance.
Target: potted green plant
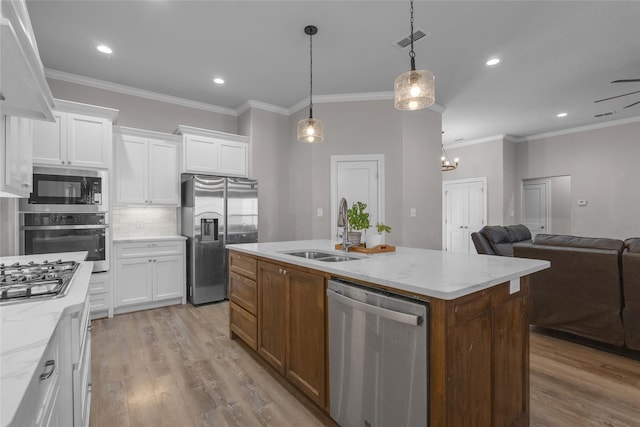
(376, 237)
(358, 221)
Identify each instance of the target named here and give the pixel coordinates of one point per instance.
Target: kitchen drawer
(100, 302)
(244, 324)
(149, 248)
(243, 292)
(244, 265)
(99, 283)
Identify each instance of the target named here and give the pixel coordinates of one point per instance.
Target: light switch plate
(412, 212)
(319, 212)
(582, 202)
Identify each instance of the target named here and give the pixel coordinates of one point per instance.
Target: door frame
(547, 183)
(483, 180)
(335, 159)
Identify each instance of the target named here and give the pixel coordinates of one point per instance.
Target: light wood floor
(176, 366)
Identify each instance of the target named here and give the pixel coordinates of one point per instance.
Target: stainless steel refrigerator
(215, 211)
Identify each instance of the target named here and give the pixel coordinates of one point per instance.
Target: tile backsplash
(144, 221)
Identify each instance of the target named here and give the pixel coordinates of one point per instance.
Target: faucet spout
(343, 221)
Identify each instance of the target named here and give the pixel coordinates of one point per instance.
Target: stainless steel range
(19, 282)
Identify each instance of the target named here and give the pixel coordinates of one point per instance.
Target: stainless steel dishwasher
(378, 357)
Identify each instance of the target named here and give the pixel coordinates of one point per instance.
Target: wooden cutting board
(374, 250)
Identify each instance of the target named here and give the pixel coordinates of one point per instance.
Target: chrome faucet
(343, 221)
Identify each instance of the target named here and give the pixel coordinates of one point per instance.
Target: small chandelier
(446, 163)
(310, 130)
(415, 89)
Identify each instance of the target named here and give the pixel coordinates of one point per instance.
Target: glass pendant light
(310, 130)
(414, 89)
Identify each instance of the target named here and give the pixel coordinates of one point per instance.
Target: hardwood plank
(177, 365)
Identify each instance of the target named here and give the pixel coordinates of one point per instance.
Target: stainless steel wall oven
(48, 232)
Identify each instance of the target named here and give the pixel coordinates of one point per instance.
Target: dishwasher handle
(396, 316)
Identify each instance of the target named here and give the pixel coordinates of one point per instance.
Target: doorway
(546, 204)
(535, 205)
(357, 178)
(464, 207)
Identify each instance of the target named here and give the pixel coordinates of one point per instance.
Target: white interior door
(357, 178)
(535, 206)
(465, 211)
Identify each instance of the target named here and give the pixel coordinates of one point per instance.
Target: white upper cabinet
(24, 88)
(73, 140)
(15, 180)
(212, 152)
(146, 168)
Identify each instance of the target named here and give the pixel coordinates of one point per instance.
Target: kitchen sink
(321, 256)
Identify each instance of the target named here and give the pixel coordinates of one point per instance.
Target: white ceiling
(556, 56)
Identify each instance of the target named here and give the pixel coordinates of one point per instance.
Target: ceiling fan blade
(618, 96)
(631, 105)
(626, 81)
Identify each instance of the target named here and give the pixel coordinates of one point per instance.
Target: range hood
(24, 91)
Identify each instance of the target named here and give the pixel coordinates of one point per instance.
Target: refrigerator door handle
(215, 229)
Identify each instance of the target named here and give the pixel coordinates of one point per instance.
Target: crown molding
(262, 106)
(594, 126)
(143, 133)
(127, 90)
(353, 97)
(461, 144)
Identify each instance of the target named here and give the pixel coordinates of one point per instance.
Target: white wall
(603, 165)
(143, 113)
(483, 160)
(410, 143)
(269, 133)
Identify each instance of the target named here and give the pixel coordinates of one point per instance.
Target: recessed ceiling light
(218, 81)
(561, 115)
(104, 49)
(493, 61)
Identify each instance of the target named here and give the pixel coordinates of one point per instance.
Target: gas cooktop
(21, 282)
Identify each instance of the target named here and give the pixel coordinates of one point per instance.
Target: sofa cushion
(518, 233)
(633, 245)
(498, 238)
(482, 244)
(579, 242)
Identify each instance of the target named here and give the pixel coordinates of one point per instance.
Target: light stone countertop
(147, 238)
(27, 327)
(425, 272)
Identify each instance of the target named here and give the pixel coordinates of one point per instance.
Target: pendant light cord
(412, 54)
(310, 76)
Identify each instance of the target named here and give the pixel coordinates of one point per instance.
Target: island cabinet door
(272, 314)
(306, 358)
(486, 358)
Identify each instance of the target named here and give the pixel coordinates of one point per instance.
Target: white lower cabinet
(60, 391)
(100, 295)
(149, 273)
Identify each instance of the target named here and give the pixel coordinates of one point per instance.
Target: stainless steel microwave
(67, 190)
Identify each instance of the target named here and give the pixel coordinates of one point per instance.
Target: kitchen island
(28, 330)
(478, 355)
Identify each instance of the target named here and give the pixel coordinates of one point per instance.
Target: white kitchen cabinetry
(212, 152)
(100, 295)
(149, 273)
(41, 405)
(24, 88)
(146, 168)
(72, 140)
(17, 139)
